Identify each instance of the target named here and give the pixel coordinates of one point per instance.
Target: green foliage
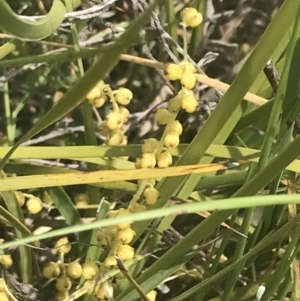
(217, 216)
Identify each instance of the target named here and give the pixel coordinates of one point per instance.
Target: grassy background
(214, 234)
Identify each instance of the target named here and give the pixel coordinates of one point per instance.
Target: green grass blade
(29, 30)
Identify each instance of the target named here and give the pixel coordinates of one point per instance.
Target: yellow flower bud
(188, 66)
(164, 159)
(189, 79)
(151, 195)
(171, 140)
(63, 245)
(34, 205)
(63, 284)
(60, 296)
(113, 120)
(176, 127)
(124, 113)
(174, 71)
(6, 260)
(149, 145)
(135, 208)
(74, 269)
(189, 104)
(93, 94)
(103, 129)
(162, 116)
(191, 17)
(98, 102)
(126, 235)
(116, 138)
(51, 270)
(110, 261)
(148, 160)
(105, 291)
(125, 252)
(123, 96)
(90, 270)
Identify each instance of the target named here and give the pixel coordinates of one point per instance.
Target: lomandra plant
(145, 243)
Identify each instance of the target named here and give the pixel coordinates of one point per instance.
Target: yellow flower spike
(164, 159)
(34, 205)
(20, 197)
(191, 17)
(124, 113)
(174, 71)
(189, 104)
(188, 79)
(110, 261)
(126, 235)
(63, 284)
(174, 104)
(81, 199)
(89, 270)
(113, 120)
(149, 145)
(176, 127)
(74, 270)
(148, 160)
(125, 252)
(6, 260)
(171, 140)
(151, 195)
(152, 295)
(63, 245)
(162, 116)
(51, 270)
(123, 96)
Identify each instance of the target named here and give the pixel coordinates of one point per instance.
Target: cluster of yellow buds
(117, 238)
(62, 273)
(65, 274)
(34, 204)
(113, 127)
